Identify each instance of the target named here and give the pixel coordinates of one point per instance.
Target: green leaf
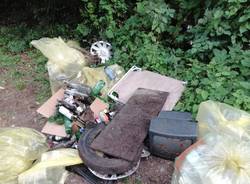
(195, 108)
(204, 94)
(245, 17)
(220, 55)
(246, 62)
(140, 8)
(245, 27)
(109, 34)
(226, 73)
(83, 29)
(245, 85)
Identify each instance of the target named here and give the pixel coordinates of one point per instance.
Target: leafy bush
(205, 43)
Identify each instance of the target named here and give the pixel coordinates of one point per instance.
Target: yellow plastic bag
(220, 160)
(215, 117)
(93, 75)
(50, 168)
(19, 147)
(65, 62)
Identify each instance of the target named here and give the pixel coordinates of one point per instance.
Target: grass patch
(138, 181)
(22, 65)
(125, 181)
(20, 85)
(40, 75)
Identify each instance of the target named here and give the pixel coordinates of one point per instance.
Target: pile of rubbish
(102, 122)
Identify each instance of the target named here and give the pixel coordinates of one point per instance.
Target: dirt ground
(18, 108)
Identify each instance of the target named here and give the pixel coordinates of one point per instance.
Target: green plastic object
(96, 90)
(78, 135)
(67, 125)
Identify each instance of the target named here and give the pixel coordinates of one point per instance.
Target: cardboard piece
(49, 107)
(54, 129)
(97, 106)
(149, 80)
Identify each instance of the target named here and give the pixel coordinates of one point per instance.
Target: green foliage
(205, 43)
(157, 14)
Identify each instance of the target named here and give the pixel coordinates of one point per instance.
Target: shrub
(205, 43)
